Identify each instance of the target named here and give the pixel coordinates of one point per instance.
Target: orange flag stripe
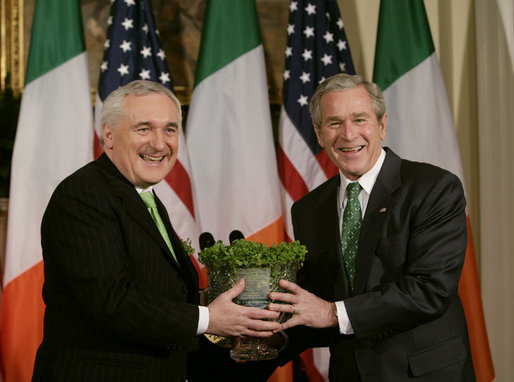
(21, 329)
(469, 292)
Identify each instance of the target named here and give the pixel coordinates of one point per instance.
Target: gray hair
(343, 81)
(113, 110)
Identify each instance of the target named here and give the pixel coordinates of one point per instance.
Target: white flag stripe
(45, 155)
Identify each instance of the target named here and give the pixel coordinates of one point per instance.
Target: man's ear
(107, 136)
(317, 130)
(383, 127)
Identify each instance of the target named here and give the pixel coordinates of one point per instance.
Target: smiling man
(386, 242)
(121, 294)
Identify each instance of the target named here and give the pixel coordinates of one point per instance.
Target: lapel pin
(383, 209)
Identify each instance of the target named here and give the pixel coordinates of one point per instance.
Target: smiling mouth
(347, 150)
(152, 159)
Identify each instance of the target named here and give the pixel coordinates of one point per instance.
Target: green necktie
(352, 219)
(149, 201)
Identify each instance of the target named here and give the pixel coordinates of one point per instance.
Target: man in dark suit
(121, 295)
(390, 310)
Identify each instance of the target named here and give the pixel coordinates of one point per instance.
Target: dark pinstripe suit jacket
(118, 308)
(405, 310)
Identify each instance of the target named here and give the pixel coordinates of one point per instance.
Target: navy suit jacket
(404, 309)
(118, 307)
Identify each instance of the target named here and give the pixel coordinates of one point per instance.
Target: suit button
(184, 289)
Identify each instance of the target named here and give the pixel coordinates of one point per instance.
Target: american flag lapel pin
(383, 209)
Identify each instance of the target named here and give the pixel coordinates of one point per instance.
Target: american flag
(316, 49)
(133, 51)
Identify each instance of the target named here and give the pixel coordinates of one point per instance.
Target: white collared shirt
(367, 181)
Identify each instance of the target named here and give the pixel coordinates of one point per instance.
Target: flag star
(286, 74)
(293, 6)
(128, 23)
(326, 59)
(157, 32)
(104, 66)
(308, 32)
(107, 44)
(302, 100)
(327, 15)
(307, 55)
(321, 80)
(164, 77)
(305, 77)
(290, 29)
(161, 54)
(145, 74)
(145, 28)
(126, 46)
(329, 37)
(130, 2)
(109, 20)
(310, 9)
(289, 51)
(123, 69)
(146, 51)
(341, 45)
(342, 66)
(340, 23)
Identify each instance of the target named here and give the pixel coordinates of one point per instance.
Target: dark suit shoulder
(319, 194)
(425, 176)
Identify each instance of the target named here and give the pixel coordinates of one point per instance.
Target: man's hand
(231, 320)
(306, 308)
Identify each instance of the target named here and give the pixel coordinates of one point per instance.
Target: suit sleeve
(89, 269)
(421, 255)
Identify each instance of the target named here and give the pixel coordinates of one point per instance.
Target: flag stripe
(292, 180)
(178, 179)
(215, 55)
(49, 47)
(392, 60)
(22, 323)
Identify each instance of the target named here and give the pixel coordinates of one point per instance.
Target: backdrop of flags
(54, 138)
(317, 48)
(420, 127)
(133, 52)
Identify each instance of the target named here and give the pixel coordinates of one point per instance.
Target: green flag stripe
(230, 29)
(403, 40)
(49, 47)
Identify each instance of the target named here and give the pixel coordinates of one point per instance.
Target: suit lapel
(328, 232)
(380, 205)
(133, 204)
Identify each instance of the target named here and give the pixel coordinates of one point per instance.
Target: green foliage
(188, 247)
(9, 109)
(251, 254)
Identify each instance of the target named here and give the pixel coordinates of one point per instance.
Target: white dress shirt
(367, 181)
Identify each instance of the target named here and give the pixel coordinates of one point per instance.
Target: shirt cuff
(203, 320)
(345, 326)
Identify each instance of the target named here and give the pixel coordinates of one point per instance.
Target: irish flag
(54, 138)
(229, 133)
(420, 128)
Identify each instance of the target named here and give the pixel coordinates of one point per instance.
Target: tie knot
(148, 199)
(353, 189)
